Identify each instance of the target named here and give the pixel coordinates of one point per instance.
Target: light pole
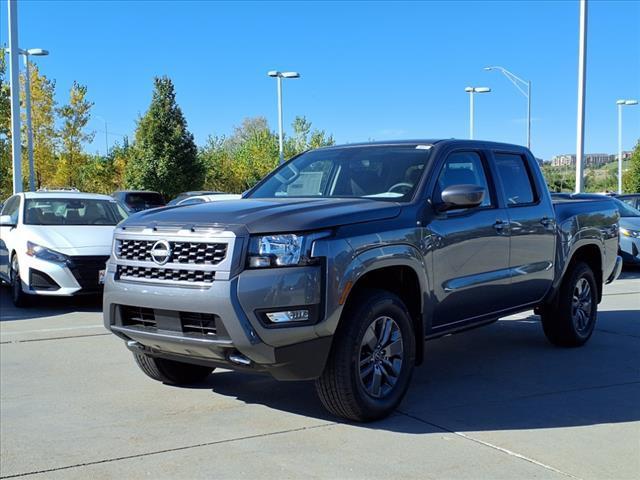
(519, 83)
(582, 82)
(620, 104)
(280, 76)
(32, 52)
(471, 91)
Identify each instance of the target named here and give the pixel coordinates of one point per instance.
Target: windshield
(626, 210)
(378, 172)
(144, 201)
(71, 211)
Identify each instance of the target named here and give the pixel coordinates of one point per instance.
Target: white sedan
(56, 243)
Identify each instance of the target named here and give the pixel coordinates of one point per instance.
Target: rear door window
(516, 179)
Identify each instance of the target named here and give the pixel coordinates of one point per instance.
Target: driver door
(471, 254)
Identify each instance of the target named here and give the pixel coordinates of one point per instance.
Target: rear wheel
(572, 321)
(170, 371)
(372, 358)
(18, 296)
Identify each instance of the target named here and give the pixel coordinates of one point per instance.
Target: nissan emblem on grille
(161, 252)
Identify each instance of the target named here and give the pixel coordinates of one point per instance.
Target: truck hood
(273, 214)
(73, 240)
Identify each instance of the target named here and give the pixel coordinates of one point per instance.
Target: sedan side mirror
(461, 196)
(6, 221)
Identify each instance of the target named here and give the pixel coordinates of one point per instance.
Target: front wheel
(572, 321)
(18, 296)
(372, 358)
(170, 371)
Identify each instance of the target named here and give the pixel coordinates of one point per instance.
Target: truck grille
(198, 253)
(169, 274)
(198, 324)
(138, 317)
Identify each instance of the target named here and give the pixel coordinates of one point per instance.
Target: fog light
(289, 316)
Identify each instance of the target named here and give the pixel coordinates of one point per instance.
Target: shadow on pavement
(501, 377)
(630, 272)
(42, 306)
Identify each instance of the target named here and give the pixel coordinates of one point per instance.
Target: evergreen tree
(164, 156)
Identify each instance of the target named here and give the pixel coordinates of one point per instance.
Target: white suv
(56, 243)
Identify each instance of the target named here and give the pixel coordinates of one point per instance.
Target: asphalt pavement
(496, 402)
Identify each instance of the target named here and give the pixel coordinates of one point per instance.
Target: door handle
(546, 222)
(500, 226)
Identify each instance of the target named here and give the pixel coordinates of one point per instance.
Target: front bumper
(287, 353)
(630, 250)
(617, 268)
(67, 276)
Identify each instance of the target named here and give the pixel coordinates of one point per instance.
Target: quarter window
(516, 179)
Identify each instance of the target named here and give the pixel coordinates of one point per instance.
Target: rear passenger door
(531, 225)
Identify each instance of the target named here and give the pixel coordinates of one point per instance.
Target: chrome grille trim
(173, 275)
(199, 255)
(186, 252)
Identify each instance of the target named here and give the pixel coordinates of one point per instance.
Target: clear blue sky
(370, 70)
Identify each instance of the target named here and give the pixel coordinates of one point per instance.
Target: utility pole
(14, 64)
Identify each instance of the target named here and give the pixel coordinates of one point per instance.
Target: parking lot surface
(496, 402)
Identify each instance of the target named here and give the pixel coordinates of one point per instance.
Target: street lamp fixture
(471, 91)
(31, 52)
(280, 76)
(519, 83)
(621, 103)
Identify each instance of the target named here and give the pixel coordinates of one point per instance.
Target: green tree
(6, 184)
(631, 177)
(164, 156)
(305, 138)
(74, 116)
(43, 112)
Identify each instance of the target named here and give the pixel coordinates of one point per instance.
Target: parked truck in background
(344, 260)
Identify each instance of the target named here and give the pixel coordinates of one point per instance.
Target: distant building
(590, 159)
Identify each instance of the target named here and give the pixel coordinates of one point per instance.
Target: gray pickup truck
(344, 260)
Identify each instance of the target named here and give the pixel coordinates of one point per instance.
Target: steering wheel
(402, 185)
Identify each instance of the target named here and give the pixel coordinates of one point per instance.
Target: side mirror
(461, 196)
(6, 221)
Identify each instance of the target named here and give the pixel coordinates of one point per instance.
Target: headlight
(44, 253)
(629, 233)
(282, 250)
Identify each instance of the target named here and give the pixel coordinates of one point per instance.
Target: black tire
(19, 298)
(568, 324)
(172, 372)
(343, 387)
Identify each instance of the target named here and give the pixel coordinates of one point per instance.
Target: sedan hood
(73, 240)
(630, 223)
(273, 214)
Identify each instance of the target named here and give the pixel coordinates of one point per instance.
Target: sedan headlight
(629, 233)
(44, 253)
(282, 250)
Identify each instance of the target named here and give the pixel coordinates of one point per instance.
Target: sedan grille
(169, 274)
(198, 253)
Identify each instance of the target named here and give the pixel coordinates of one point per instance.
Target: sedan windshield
(626, 210)
(72, 211)
(385, 172)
